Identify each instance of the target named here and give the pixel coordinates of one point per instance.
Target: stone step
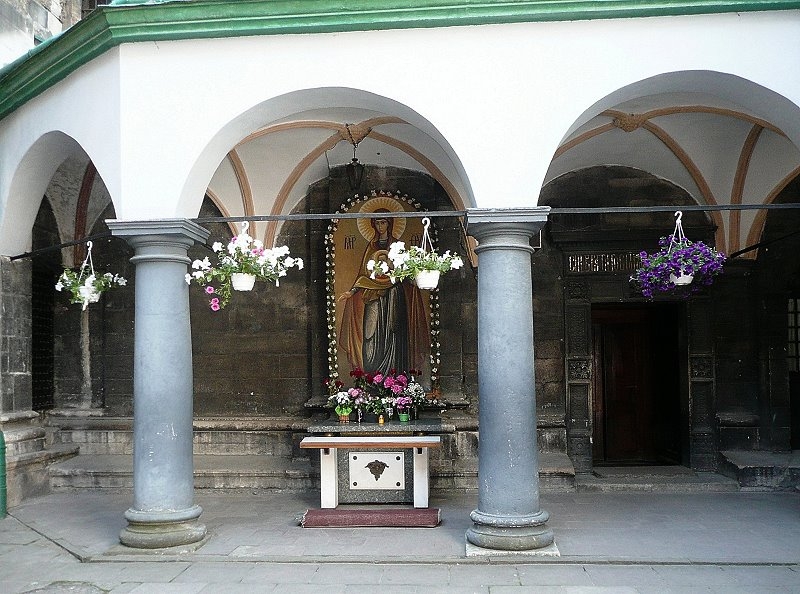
(762, 471)
(654, 479)
(205, 442)
(210, 472)
(275, 473)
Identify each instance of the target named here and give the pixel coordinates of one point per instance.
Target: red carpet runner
(342, 517)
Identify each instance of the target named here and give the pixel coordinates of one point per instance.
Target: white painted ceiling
(716, 150)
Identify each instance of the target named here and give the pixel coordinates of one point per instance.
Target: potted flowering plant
(403, 405)
(86, 286)
(344, 401)
(680, 266)
(422, 263)
(424, 267)
(239, 264)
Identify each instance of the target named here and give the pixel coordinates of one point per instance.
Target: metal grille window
(793, 349)
(89, 5)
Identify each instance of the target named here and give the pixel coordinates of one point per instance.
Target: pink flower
(209, 289)
(378, 378)
(214, 304)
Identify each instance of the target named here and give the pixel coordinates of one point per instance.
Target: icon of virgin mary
(384, 325)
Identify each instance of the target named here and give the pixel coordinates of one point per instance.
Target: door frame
(696, 368)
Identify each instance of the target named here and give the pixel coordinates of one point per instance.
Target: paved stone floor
(609, 542)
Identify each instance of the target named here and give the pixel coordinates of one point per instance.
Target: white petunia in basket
(85, 285)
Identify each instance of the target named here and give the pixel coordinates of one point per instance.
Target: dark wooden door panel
(633, 393)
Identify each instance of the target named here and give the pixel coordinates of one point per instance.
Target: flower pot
(241, 281)
(369, 418)
(403, 416)
(427, 279)
(344, 418)
(683, 279)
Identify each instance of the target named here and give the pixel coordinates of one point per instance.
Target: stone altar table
(361, 469)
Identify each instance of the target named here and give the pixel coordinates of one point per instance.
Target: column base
(155, 530)
(472, 550)
(510, 533)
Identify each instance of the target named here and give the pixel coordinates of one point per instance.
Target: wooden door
(636, 392)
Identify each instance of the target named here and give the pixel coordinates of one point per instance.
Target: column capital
(139, 231)
(534, 215)
(505, 228)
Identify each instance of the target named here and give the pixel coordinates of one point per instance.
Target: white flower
(188, 278)
(299, 262)
(371, 265)
(203, 264)
(396, 248)
(59, 285)
(257, 243)
(289, 262)
(120, 280)
(456, 263)
(217, 246)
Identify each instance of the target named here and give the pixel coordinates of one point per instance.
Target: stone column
(26, 473)
(163, 512)
(508, 517)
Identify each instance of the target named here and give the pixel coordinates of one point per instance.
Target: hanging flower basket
(427, 279)
(421, 263)
(241, 281)
(681, 267)
(85, 286)
(239, 265)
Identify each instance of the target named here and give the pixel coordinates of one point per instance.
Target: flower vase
(403, 416)
(344, 418)
(427, 279)
(241, 281)
(683, 279)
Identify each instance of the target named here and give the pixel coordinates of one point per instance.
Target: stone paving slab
(737, 542)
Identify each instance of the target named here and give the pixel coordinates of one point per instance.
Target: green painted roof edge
(109, 26)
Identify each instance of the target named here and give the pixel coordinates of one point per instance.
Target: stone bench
(329, 471)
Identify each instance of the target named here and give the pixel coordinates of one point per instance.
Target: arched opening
(778, 281)
(45, 269)
(626, 359)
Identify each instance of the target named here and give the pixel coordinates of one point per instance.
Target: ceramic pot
(403, 416)
(683, 279)
(427, 279)
(241, 281)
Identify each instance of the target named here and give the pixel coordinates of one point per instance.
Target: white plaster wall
(497, 98)
(501, 97)
(84, 110)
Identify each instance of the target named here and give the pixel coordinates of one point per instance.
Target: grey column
(508, 516)
(163, 512)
